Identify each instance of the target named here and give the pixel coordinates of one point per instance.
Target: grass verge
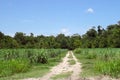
(62, 76)
(99, 62)
(87, 66)
(36, 70)
(72, 62)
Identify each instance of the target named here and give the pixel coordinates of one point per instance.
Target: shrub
(32, 56)
(78, 50)
(42, 57)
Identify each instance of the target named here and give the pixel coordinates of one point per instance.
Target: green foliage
(93, 38)
(42, 57)
(108, 63)
(111, 67)
(62, 76)
(102, 38)
(78, 50)
(91, 55)
(13, 66)
(72, 62)
(101, 61)
(20, 60)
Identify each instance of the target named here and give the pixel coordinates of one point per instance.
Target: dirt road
(63, 67)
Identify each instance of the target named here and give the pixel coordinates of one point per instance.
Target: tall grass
(20, 60)
(105, 61)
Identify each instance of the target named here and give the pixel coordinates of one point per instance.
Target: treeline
(96, 37)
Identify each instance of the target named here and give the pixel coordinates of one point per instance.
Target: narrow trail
(63, 67)
(75, 68)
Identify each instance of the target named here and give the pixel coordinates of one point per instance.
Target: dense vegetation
(21, 60)
(93, 38)
(101, 61)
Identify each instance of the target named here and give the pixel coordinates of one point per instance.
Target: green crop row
(104, 61)
(20, 60)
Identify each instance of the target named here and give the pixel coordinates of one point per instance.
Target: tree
(76, 41)
(62, 40)
(20, 38)
(9, 42)
(113, 38)
(100, 38)
(1, 37)
(88, 39)
(99, 30)
(92, 33)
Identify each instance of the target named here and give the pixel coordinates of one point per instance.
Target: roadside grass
(70, 56)
(36, 70)
(99, 62)
(71, 62)
(87, 66)
(62, 76)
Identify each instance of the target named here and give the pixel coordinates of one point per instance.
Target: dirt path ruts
(75, 68)
(62, 67)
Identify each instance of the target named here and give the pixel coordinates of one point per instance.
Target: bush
(42, 57)
(78, 50)
(32, 56)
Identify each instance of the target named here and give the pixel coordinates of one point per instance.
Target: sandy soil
(62, 67)
(99, 78)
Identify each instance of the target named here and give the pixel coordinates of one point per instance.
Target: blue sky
(51, 17)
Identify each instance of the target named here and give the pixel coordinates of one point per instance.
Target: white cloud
(90, 10)
(65, 31)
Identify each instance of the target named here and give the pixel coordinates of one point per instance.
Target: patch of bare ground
(99, 78)
(63, 67)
